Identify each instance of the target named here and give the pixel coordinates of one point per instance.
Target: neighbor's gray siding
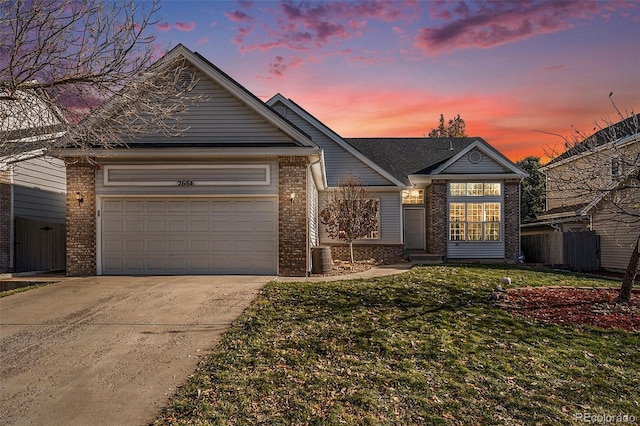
(219, 118)
(271, 189)
(338, 161)
(39, 189)
(617, 239)
(464, 166)
(390, 221)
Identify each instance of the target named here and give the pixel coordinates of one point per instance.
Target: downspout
(310, 175)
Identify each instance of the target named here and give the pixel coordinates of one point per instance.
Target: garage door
(189, 236)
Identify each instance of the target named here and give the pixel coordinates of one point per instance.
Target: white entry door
(414, 228)
(176, 236)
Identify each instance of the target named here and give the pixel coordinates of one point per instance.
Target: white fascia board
(427, 179)
(244, 97)
(334, 137)
(192, 152)
(622, 142)
(488, 151)
(5, 162)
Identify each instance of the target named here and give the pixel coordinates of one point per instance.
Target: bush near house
(424, 347)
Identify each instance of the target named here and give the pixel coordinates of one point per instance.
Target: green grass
(424, 347)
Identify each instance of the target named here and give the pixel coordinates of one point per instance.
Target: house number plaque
(185, 183)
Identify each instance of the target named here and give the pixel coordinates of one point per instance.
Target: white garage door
(189, 236)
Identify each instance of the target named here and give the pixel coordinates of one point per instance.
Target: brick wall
(81, 219)
(386, 253)
(511, 219)
(5, 221)
(436, 216)
(292, 256)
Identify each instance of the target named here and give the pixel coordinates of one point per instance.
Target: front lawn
(424, 347)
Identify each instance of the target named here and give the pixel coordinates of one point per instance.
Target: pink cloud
(203, 40)
(187, 27)
(163, 27)
(496, 23)
(306, 26)
(238, 16)
(279, 66)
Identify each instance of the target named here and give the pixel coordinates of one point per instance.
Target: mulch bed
(577, 306)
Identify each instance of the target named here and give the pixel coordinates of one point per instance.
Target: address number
(185, 183)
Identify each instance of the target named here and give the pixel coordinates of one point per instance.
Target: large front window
(474, 214)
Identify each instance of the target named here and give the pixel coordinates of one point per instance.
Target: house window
(413, 196)
(617, 168)
(475, 211)
(375, 234)
(474, 221)
(474, 189)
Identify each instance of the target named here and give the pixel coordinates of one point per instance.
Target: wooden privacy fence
(577, 250)
(39, 246)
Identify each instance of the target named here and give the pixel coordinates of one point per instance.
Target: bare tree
(600, 173)
(350, 214)
(62, 61)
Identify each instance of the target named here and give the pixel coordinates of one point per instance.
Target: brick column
(81, 218)
(5, 220)
(437, 233)
(511, 219)
(292, 217)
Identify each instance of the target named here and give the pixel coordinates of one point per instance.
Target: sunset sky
(514, 71)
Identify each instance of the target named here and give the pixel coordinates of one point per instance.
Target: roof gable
(336, 148)
(222, 114)
(624, 130)
(478, 158)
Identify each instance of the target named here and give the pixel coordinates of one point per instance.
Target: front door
(414, 228)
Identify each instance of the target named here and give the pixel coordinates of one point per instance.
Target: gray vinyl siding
(464, 166)
(39, 190)
(271, 189)
(390, 220)
(220, 118)
(338, 161)
(476, 249)
(617, 238)
(312, 191)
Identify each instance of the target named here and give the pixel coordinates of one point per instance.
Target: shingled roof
(627, 127)
(410, 156)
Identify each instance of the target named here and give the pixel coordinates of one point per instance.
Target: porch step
(423, 258)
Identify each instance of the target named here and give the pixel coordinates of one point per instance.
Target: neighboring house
(239, 191)
(583, 192)
(32, 186)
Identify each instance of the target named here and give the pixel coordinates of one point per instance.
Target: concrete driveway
(110, 350)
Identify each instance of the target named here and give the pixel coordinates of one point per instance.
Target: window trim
(419, 196)
(459, 231)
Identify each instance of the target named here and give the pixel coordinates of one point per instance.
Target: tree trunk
(630, 275)
(351, 250)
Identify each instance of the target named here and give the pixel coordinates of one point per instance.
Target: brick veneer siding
(81, 219)
(511, 219)
(5, 221)
(387, 253)
(436, 217)
(292, 217)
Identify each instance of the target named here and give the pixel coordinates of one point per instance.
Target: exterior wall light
(292, 197)
(79, 198)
